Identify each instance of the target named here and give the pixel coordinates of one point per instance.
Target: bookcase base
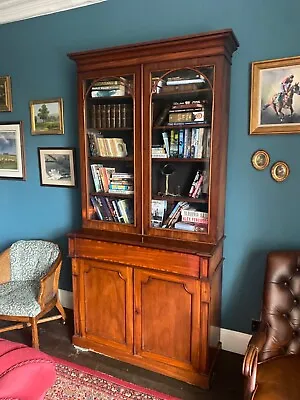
(192, 377)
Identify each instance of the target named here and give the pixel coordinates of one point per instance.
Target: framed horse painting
(275, 96)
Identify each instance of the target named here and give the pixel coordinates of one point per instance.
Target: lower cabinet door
(108, 304)
(167, 319)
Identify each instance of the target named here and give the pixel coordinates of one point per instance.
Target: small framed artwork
(260, 160)
(47, 117)
(57, 166)
(12, 154)
(280, 171)
(5, 94)
(275, 96)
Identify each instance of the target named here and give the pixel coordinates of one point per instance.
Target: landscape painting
(12, 164)
(5, 94)
(47, 117)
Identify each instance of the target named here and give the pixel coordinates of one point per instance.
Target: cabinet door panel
(167, 318)
(108, 304)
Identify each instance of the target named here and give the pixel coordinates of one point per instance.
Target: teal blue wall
(260, 214)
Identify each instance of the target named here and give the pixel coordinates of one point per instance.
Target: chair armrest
(49, 283)
(5, 266)
(249, 369)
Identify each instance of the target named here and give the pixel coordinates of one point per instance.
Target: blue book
(181, 143)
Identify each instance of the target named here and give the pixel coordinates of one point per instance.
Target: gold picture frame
(47, 117)
(5, 94)
(280, 171)
(260, 160)
(275, 104)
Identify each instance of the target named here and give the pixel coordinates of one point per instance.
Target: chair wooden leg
(35, 333)
(61, 309)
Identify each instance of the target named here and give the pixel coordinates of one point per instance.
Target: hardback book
(166, 143)
(186, 226)
(163, 115)
(158, 209)
(174, 143)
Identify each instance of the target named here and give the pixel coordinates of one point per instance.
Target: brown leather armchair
(272, 360)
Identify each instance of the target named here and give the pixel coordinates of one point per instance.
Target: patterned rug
(74, 382)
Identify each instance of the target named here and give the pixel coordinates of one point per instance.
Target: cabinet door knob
(137, 311)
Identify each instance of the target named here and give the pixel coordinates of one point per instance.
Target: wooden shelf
(111, 129)
(180, 160)
(123, 159)
(118, 195)
(163, 127)
(173, 199)
(190, 94)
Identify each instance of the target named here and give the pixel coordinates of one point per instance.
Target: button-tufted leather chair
(272, 360)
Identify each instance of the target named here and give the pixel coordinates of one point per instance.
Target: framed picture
(57, 166)
(12, 155)
(275, 96)
(260, 160)
(280, 171)
(46, 117)
(5, 94)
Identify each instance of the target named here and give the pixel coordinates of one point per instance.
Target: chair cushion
(31, 259)
(19, 298)
(279, 379)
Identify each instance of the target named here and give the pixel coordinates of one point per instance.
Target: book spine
(96, 207)
(181, 143)
(166, 142)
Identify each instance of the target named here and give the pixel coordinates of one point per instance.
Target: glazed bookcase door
(181, 113)
(111, 139)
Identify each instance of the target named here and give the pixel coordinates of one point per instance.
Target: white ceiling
(16, 10)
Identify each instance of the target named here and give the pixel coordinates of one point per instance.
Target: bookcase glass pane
(181, 112)
(109, 135)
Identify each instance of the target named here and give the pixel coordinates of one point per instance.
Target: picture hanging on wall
(57, 166)
(275, 96)
(12, 155)
(5, 94)
(47, 117)
(280, 171)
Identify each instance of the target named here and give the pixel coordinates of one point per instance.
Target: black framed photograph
(275, 96)
(12, 154)
(47, 117)
(57, 166)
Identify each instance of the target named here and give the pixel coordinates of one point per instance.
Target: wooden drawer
(137, 256)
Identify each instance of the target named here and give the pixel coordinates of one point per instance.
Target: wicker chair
(29, 275)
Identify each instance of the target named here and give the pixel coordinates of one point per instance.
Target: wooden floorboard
(55, 339)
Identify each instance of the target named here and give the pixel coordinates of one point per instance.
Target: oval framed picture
(260, 160)
(280, 171)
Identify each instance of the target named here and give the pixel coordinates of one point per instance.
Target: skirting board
(233, 341)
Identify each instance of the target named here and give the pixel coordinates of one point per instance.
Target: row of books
(199, 185)
(114, 210)
(111, 116)
(101, 146)
(107, 180)
(110, 88)
(177, 83)
(182, 216)
(181, 113)
(184, 143)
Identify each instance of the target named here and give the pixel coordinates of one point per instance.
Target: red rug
(74, 382)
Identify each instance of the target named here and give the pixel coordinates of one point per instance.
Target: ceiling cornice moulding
(17, 10)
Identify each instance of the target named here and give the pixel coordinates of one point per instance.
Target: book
(166, 143)
(174, 143)
(163, 115)
(183, 81)
(186, 226)
(158, 208)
